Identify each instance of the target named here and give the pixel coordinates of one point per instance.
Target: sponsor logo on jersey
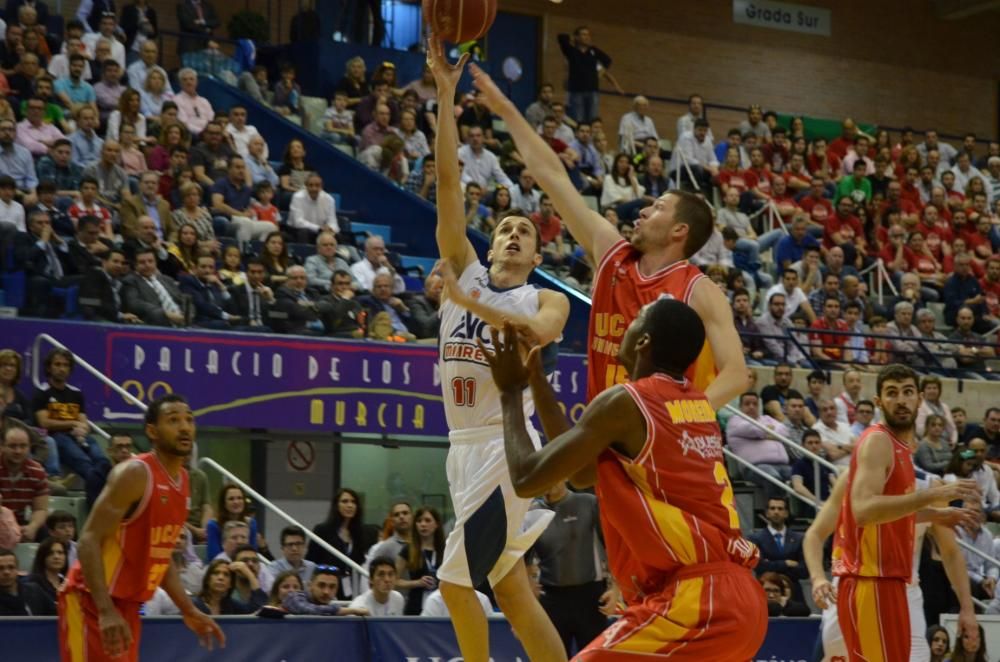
(707, 446)
(461, 341)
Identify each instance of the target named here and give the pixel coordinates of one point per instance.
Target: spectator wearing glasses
(293, 550)
(34, 133)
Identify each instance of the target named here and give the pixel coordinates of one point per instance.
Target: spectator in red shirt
(979, 242)
(958, 247)
(844, 229)
(909, 213)
(937, 233)
(550, 231)
(955, 197)
(830, 348)
(23, 482)
(895, 255)
(730, 174)
(758, 180)
(848, 133)
(991, 289)
(823, 163)
(908, 188)
(783, 200)
(796, 175)
(922, 261)
(776, 152)
(817, 205)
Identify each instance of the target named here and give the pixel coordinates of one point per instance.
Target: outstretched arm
(588, 227)
(452, 242)
(613, 417)
(727, 350)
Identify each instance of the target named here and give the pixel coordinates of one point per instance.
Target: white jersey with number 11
(471, 399)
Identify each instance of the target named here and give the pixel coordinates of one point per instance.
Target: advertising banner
(244, 380)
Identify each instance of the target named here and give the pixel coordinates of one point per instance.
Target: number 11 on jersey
(463, 389)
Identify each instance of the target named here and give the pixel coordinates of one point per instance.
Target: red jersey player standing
(126, 545)
(631, 274)
(670, 527)
(873, 547)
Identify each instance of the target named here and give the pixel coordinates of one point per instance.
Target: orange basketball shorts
(80, 634)
(875, 618)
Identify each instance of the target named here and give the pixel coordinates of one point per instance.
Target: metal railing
(681, 159)
(746, 464)
(36, 353)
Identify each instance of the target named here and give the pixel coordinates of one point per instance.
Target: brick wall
(890, 62)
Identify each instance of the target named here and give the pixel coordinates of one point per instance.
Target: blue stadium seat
(15, 286)
(370, 229)
(423, 265)
(301, 251)
(71, 300)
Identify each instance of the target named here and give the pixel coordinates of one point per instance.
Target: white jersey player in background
(939, 522)
(493, 528)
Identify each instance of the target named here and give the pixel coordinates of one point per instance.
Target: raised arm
(727, 350)
(588, 227)
(453, 244)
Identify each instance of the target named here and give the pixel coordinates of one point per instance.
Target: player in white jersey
(939, 522)
(493, 528)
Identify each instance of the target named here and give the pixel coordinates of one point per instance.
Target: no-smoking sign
(301, 456)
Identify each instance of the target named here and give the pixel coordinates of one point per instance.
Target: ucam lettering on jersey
(707, 446)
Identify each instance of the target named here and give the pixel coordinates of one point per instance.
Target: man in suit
(294, 309)
(147, 238)
(45, 259)
(154, 298)
(101, 291)
(208, 295)
(424, 308)
(87, 248)
(339, 309)
(382, 300)
(148, 204)
(780, 547)
(253, 300)
(196, 17)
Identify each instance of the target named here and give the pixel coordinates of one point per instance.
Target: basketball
(459, 21)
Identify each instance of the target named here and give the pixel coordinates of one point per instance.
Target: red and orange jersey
(620, 291)
(672, 505)
(137, 557)
(877, 550)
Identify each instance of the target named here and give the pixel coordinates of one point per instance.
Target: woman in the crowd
(354, 82)
(158, 158)
(132, 159)
(931, 403)
(49, 568)
(216, 597)
(285, 583)
(293, 172)
(418, 561)
(193, 213)
(622, 190)
(232, 505)
(778, 590)
(153, 95)
(14, 404)
(276, 259)
(934, 452)
(415, 142)
(939, 642)
(186, 248)
(970, 647)
(500, 204)
(345, 530)
(128, 112)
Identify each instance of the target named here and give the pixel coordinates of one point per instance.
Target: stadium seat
(71, 300)
(25, 553)
(14, 285)
(302, 251)
(370, 229)
(423, 265)
(76, 506)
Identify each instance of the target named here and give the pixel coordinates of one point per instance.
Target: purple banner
(262, 381)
